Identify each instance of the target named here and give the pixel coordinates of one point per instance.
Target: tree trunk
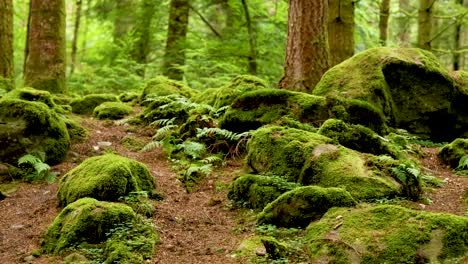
(7, 70)
(142, 34)
(457, 42)
(252, 57)
(174, 56)
(307, 51)
(124, 19)
(404, 26)
(341, 30)
(44, 68)
(425, 23)
(75, 36)
(383, 21)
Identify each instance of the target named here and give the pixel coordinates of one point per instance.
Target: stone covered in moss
(75, 130)
(128, 97)
(106, 178)
(256, 191)
(297, 208)
(31, 94)
(86, 105)
(162, 86)
(27, 127)
(112, 110)
(388, 234)
(453, 152)
(309, 158)
(408, 86)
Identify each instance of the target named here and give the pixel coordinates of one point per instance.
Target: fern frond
(152, 145)
(215, 160)
(192, 149)
(163, 122)
(29, 159)
(463, 163)
(163, 132)
(203, 170)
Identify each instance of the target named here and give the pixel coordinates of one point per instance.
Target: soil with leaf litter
(194, 227)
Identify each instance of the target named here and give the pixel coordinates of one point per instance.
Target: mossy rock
(129, 97)
(409, 86)
(75, 130)
(297, 208)
(453, 152)
(388, 234)
(106, 178)
(62, 99)
(311, 159)
(256, 191)
(112, 110)
(31, 94)
(86, 105)
(27, 127)
(163, 86)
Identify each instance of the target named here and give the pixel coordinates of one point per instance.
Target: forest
(233, 131)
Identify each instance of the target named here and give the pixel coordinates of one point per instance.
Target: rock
(86, 105)
(163, 86)
(112, 110)
(452, 153)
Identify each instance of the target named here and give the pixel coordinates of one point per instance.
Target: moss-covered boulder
(27, 127)
(312, 159)
(407, 85)
(297, 208)
(453, 152)
(76, 132)
(256, 191)
(112, 110)
(388, 234)
(129, 97)
(31, 94)
(86, 105)
(163, 86)
(106, 178)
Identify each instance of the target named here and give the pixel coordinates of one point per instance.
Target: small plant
(35, 167)
(410, 177)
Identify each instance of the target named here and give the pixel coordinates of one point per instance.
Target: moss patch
(105, 177)
(86, 105)
(162, 86)
(112, 110)
(453, 152)
(388, 234)
(133, 143)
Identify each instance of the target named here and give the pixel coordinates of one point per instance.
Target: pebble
(104, 144)
(261, 252)
(29, 259)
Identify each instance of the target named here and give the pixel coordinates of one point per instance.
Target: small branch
(206, 22)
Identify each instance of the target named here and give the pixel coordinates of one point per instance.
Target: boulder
(86, 105)
(112, 110)
(163, 86)
(453, 152)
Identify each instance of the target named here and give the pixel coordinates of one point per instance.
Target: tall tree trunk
(307, 51)
(44, 68)
(426, 14)
(383, 21)
(457, 42)
(252, 41)
(142, 34)
(174, 56)
(404, 29)
(75, 36)
(124, 19)
(7, 70)
(84, 34)
(341, 30)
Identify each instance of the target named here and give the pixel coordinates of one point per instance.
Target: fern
(215, 160)
(152, 145)
(463, 163)
(221, 111)
(36, 168)
(212, 132)
(163, 122)
(163, 132)
(192, 149)
(410, 177)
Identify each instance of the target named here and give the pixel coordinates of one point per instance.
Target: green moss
(75, 130)
(162, 86)
(31, 94)
(62, 99)
(132, 143)
(6, 84)
(255, 191)
(128, 97)
(105, 177)
(166, 107)
(86, 105)
(112, 110)
(389, 234)
(453, 152)
(297, 208)
(31, 127)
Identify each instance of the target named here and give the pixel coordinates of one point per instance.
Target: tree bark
(307, 51)
(340, 30)
(404, 29)
(7, 70)
(425, 17)
(142, 34)
(44, 68)
(174, 56)
(75, 36)
(252, 41)
(457, 43)
(383, 21)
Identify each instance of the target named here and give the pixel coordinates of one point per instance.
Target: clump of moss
(129, 97)
(388, 234)
(27, 127)
(105, 177)
(255, 191)
(453, 152)
(163, 86)
(62, 99)
(31, 94)
(297, 208)
(75, 130)
(132, 143)
(112, 110)
(86, 105)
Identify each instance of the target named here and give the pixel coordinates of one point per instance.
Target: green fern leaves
(36, 169)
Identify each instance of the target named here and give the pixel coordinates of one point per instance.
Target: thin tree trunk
(7, 70)
(252, 41)
(84, 34)
(75, 36)
(307, 51)
(142, 33)
(425, 23)
(341, 30)
(457, 42)
(403, 23)
(383, 21)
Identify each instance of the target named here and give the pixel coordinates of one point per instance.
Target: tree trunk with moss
(340, 30)
(425, 17)
(7, 70)
(457, 61)
(44, 67)
(76, 30)
(383, 21)
(307, 51)
(142, 35)
(174, 56)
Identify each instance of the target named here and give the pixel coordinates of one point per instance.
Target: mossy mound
(256, 191)
(6, 85)
(129, 97)
(253, 109)
(27, 127)
(356, 137)
(31, 94)
(75, 130)
(162, 86)
(453, 152)
(388, 234)
(312, 159)
(407, 85)
(106, 178)
(297, 208)
(112, 110)
(86, 105)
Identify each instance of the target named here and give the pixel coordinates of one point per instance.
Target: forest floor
(195, 227)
